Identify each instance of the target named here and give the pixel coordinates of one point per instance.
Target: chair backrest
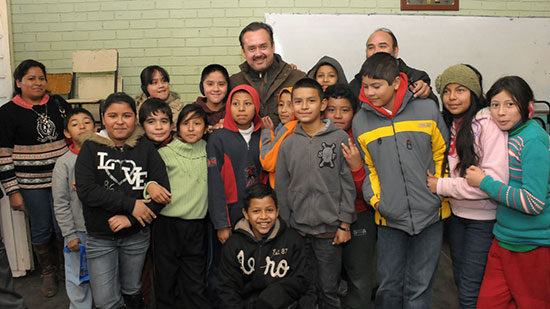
(542, 109)
(95, 73)
(95, 61)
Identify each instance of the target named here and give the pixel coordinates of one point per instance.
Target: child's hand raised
(267, 123)
(352, 155)
(158, 193)
(431, 181)
(474, 176)
(118, 222)
(142, 213)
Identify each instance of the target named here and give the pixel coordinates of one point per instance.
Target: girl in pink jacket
(475, 140)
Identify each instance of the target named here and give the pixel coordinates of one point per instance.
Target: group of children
(279, 217)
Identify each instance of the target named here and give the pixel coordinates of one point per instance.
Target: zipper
(403, 173)
(258, 258)
(309, 156)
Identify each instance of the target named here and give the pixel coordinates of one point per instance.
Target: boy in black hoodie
(263, 262)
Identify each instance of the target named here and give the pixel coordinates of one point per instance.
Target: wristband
(344, 229)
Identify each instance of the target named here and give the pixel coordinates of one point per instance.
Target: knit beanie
(459, 74)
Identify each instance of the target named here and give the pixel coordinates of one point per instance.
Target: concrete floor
(29, 287)
(445, 294)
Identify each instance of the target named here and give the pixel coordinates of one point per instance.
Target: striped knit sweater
(523, 212)
(28, 151)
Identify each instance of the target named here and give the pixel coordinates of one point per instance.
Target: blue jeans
(79, 293)
(39, 206)
(406, 266)
(115, 266)
(325, 263)
(470, 241)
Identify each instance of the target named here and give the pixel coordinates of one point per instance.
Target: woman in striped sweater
(31, 141)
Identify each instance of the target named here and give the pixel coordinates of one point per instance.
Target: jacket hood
(398, 101)
(243, 226)
(328, 128)
(229, 122)
(100, 139)
(289, 89)
(332, 62)
(172, 96)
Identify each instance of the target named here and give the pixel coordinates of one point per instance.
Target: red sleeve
(359, 176)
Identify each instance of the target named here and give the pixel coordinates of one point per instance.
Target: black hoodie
(268, 273)
(109, 179)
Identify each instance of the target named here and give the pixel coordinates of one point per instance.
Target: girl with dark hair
(179, 234)
(475, 140)
(31, 141)
(518, 267)
(214, 86)
(111, 173)
(155, 83)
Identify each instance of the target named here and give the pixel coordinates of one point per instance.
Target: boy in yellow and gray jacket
(401, 137)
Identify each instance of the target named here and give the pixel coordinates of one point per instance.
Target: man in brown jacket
(263, 69)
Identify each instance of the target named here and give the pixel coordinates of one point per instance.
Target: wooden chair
(95, 76)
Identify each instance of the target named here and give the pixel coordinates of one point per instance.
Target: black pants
(180, 260)
(8, 297)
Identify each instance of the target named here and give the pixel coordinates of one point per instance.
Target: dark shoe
(49, 281)
(134, 301)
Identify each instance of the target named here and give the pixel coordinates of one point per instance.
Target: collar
(164, 142)
(398, 101)
(186, 150)
(71, 148)
(243, 226)
(18, 100)
(249, 130)
(274, 67)
(518, 127)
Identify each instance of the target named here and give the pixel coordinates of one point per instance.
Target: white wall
(496, 46)
(5, 58)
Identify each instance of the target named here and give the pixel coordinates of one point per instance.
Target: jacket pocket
(314, 208)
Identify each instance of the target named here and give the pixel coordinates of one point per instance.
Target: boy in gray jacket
(68, 208)
(401, 137)
(316, 190)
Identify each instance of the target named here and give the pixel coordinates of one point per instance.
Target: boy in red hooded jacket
(233, 159)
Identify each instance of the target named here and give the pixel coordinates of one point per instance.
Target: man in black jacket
(383, 40)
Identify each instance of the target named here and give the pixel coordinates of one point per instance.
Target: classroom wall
(184, 35)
